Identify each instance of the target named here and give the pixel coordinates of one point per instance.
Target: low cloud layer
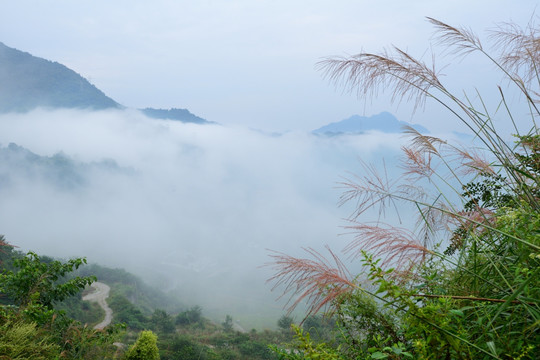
(195, 208)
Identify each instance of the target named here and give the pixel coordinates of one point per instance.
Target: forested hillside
(43, 316)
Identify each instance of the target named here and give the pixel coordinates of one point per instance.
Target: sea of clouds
(194, 209)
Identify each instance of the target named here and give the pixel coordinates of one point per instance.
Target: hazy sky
(248, 62)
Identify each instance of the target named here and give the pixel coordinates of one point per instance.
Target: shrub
(145, 348)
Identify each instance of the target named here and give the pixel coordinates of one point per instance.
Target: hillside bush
(145, 348)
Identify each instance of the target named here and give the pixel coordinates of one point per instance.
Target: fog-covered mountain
(58, 171)
(356, 124)
(28, 82)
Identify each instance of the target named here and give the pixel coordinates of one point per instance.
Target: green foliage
(162, 322)
(145, 297)
(32, 326)
(284, 323)
(127, 313)
(305, 348)
(190, 317)
(185, 347)
(145, 348)
(83, 342)
(37, 280)
(253, 349)
(85, 312)
(321, 328)
(35, 287)
(365, 325)
(25, 340)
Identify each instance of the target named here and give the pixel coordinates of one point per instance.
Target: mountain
(175, 114)
(356, 124)
(27, 82)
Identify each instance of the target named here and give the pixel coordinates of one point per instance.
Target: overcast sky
(247, 62)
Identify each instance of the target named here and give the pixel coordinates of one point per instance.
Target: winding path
(100, 295)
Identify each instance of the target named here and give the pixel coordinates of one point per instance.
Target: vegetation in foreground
(463, 284)
(42, 316)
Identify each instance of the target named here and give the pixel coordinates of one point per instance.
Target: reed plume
(315, 281)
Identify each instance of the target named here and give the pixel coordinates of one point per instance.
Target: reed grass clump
(464, 282)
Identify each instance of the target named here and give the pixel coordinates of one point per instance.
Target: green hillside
(42, 316)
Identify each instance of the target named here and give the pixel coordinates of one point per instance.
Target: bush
(145, 348)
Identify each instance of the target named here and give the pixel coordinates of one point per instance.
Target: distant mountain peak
(356, 124)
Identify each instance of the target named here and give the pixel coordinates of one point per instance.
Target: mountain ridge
(28, 82)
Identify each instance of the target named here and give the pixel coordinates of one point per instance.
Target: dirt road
(100, 295)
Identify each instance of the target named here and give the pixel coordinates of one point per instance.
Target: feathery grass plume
(315, 281)
(417, 163)
(462, 40)
(410, 79)
(430, 221)
(471, 162)
(424, 143)
(520, 49)
(399, 248)
(369, 190)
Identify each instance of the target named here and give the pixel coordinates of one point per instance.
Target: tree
(37, 285)
(227, 324)
(464, 283)
(190, 316)
(285, 322)
(162, 321)
(30, 324)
